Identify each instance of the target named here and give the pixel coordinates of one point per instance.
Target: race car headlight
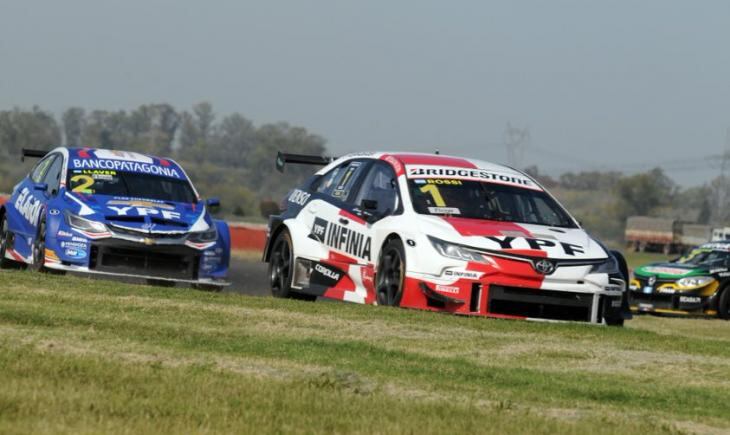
(209, 235)
(610, 266)
(694, 282)
(84, 224)
(457, 252)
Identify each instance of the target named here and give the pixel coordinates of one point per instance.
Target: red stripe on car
(352, 217)
(436, 160)
(482, 227)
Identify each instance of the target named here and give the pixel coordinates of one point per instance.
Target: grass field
(636, 259)
(90, 356)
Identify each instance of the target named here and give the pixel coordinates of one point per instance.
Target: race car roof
(722, 245)
(128, 161)
(422, 165)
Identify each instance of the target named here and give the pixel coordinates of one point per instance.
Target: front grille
(166, 262)
(542, 304)
(658, 300)
(144, 233)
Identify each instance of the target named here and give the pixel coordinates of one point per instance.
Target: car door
(53, 179)
(331, 216)
(28, 201)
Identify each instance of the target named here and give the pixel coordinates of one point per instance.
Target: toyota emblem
(545, 267)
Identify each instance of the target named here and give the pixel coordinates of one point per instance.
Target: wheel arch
(391, 236)
(276, 227)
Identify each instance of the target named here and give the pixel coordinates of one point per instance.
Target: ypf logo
(544, 267)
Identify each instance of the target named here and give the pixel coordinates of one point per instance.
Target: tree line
(229, 157)
(232, 158)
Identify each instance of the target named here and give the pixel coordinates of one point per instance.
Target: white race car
(440, 233)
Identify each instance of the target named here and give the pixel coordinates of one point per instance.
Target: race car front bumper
(681, 304)
(84, 269)
(561, 301)
(114, 257)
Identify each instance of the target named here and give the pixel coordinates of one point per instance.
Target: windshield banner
(126, 166)
(450, 172)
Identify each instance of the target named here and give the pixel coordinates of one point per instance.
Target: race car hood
(523, 239)
(670, 270)
(141, 214)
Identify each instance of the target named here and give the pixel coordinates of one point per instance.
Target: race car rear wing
(38, 154)
(283, 158)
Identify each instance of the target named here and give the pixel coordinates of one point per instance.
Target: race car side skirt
(83, 269)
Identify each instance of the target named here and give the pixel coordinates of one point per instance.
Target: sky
(600, 85)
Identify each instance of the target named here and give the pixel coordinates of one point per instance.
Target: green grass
(90, 356)
(636, 259)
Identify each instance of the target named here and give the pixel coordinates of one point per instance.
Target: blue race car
(114, 213)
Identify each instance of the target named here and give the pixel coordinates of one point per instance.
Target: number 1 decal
(435, 194)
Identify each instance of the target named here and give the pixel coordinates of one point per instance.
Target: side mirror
(369, 204)
(42, 187)
(213, 204)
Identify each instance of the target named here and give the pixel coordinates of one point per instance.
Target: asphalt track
(248, 277)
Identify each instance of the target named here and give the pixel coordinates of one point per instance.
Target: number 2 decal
(85, 182)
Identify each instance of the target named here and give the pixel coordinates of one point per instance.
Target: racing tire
(281, 269)
(624, 269)
(723, 304)
(4, 241)
(390, 276)
(38, 249)
(160, 282)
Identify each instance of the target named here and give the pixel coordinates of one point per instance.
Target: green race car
(696, 284)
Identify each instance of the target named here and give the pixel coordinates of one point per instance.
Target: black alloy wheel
(391, 273)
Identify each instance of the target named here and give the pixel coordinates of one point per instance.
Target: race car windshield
(704, 257)
(489, 201)
(129, 184)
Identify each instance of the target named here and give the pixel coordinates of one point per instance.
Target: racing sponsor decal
(508, 242)
(725, 247)
(690, 299)
(444, 210)
(299, 197)
(462, 274)
(396, 164)
(125, 165)
(424, 171)
(141, 203)
(325, 275)
(341, 238)
(447, 289)
(145, 211)
(79, 245)
(62, 233)
(665, 270)
(28, 206)
(76, 254)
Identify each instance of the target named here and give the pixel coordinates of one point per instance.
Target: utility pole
(722, 187)
(516, 140)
